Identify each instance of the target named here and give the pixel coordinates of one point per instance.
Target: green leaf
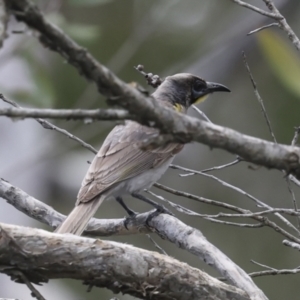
(282, 58)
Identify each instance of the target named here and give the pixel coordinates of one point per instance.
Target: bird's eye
(199, 91)
(199, 86)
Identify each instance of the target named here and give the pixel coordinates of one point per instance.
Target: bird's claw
(130, 218)
(163, 210)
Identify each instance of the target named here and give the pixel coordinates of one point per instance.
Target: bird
(121, 167)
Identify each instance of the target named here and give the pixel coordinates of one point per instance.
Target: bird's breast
(147, 178)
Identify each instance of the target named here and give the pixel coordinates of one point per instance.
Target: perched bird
(121, 167)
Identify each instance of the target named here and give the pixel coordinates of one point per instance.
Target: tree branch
(47, 125)
(283, 24)
(275, 15)
(46, 214)
(148, 111)
(166, 226)
(193, 240)
(74, 114)
(291, 244)
(256, 9)
(121, 268)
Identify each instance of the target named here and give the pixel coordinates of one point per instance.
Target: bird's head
(182, 90)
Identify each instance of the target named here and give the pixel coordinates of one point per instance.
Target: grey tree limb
(119, 267)
(166, 226)
(191, 239)
(147, 111)
(47, 215)
(69, 114)
(291, 244)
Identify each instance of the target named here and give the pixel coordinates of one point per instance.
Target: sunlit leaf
(283, 59)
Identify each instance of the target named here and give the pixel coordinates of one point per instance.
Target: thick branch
(107, 83)
(255, 150)
(193, 240)
(148, 111)
(168, 227)
(119, 267)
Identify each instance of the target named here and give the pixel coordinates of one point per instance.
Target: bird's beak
(211, 87)
(216, 87)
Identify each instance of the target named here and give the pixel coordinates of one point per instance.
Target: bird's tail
(80, 216)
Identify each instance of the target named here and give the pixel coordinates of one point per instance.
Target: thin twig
(200, 199)
(290, 178)
(270, 272)
(258, 10)
(274, 272)
(262, 28)
(189, 212)
(176, 167)
(262, 219)
(224, 183)
(201, 113)
(34, 292)
(48, 125)
(275, 15)
(260, 100)
(156, 245)
(239, 190)
(291, 191)
(262, 265)
(243, 225)
(296, 136)
(294, 180)
(283, 23)
(287, 211)
(152, 79)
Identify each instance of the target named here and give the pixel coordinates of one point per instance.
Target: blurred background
(197, 36)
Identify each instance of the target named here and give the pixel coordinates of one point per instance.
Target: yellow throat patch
(179, 108)
(201, 99)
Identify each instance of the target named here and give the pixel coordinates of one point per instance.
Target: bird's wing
(121, 158)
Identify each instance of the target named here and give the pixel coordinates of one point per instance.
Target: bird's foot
(130, 219)
(160, 209)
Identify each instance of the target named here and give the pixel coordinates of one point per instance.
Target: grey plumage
(121, 167)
